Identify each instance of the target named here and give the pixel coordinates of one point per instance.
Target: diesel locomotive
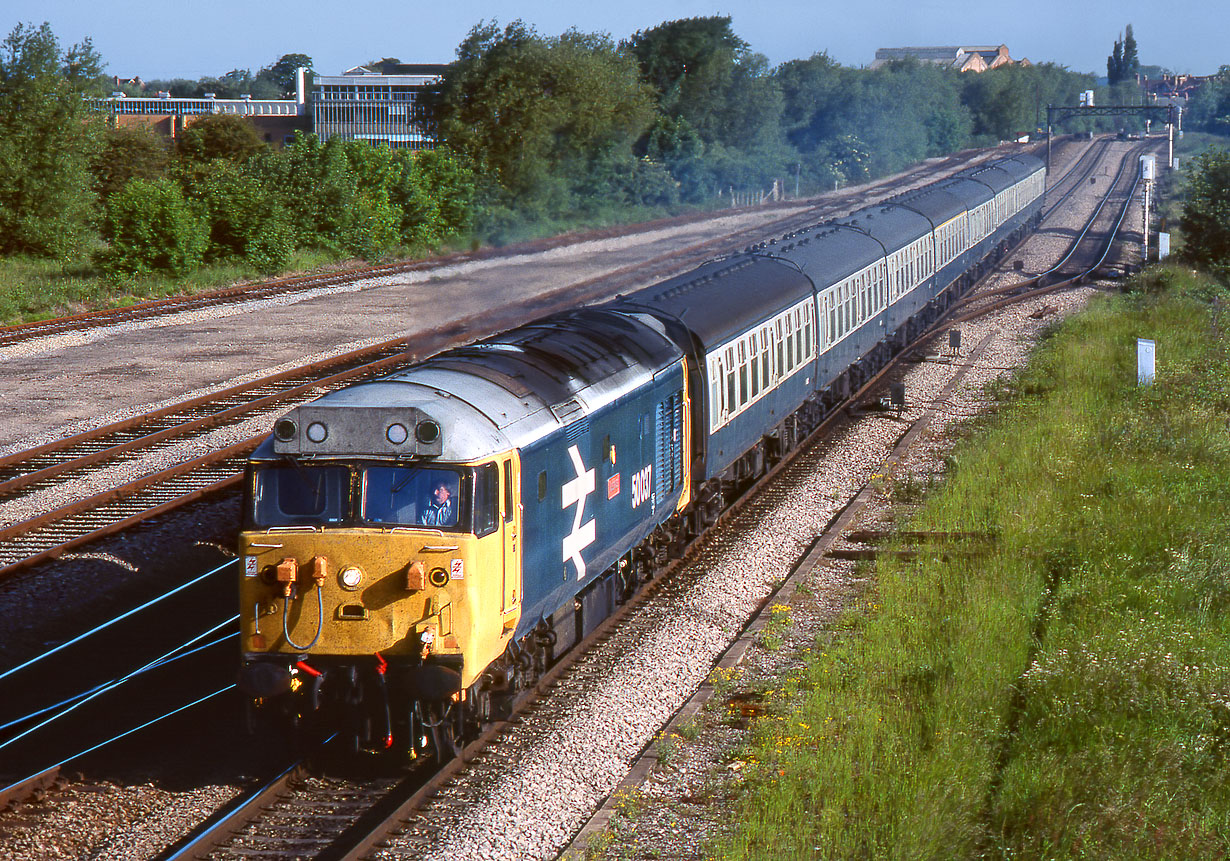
(418, 548)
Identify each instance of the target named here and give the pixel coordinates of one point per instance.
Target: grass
(37, 289)
(1068, 694)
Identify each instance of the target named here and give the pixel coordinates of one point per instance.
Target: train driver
(440, 509)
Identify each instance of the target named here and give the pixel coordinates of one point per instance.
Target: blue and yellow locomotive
(557, 447)
(418, 548)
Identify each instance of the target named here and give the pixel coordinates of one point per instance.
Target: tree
(1131, 62)
(1123, 64)
(227, 136)
(150, 227)
(314, 184)
(711, 86)
(282, 73)
(671, 52)
(244, 220)
(449, 182)
(1206, 212)
(128, 153)
(1209, 109)
(545, 118)
(47, 139)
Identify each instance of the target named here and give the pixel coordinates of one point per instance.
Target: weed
(689, 730)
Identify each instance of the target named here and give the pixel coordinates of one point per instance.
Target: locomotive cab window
(293, 495)
(417, 496)
(508, 492)
(486, 499)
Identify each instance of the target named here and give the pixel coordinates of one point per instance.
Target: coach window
(755, 364)
(765, 359)
(807, 330)
(781, 352)
(742, 374)
(830, 308)
(508, 492)
(731, 402)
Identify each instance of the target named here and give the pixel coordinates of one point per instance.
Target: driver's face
(441, 494)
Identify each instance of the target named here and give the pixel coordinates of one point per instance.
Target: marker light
(350, 577)
(317, 432)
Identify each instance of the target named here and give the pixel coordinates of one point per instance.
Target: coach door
(510, 510)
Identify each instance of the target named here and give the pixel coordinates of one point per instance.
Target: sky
(170, 39)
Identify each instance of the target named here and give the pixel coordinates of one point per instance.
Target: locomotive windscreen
(296, 495)
(454, 499)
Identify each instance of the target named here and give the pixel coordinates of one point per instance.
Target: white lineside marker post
(1146, 351)
(1148, 168)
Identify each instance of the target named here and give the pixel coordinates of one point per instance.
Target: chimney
(301, 90)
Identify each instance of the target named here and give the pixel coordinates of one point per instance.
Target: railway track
(154, 309)
(1086, 254)
(419, 808)
(352, 820)
(149, 465)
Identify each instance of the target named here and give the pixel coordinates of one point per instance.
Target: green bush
(245, 220)
(1206, 212)
(150, 227)
(374, 229)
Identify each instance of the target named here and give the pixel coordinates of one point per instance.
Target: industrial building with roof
(962, 58)
(381, 103)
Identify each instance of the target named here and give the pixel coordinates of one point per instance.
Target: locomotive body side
(595, 488)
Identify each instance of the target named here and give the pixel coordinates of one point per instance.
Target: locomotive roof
(723, 298)
(830, 252)
(504, 391)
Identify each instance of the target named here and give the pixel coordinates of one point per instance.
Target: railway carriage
(749, 325)
(574, 456)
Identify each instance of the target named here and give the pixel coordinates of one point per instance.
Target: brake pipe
(115, 684)
(124, 734)
(320, 620)
(119, 618)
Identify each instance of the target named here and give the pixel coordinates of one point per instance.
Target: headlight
(317, 432)
(350, 577)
